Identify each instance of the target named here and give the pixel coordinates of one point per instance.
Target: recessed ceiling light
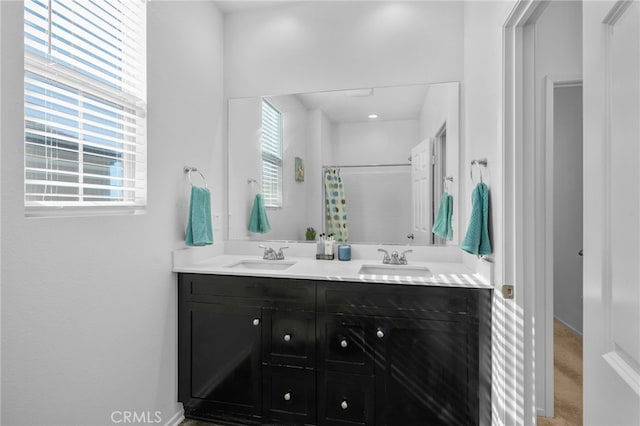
(373, 115)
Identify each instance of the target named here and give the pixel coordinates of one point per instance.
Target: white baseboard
(541, 412)
(176, 419)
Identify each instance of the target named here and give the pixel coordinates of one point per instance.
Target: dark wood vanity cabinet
(402, 355)
(246, 349)
(283, 351)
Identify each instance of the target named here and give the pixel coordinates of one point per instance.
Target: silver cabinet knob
(287, 396)
(256, 321)
(380, 333)
(287, 337)
(344, 405)
(344, 343)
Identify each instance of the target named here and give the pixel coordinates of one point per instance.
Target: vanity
(318, 343)
(300, 341)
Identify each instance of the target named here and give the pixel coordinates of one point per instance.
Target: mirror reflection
(368, 165)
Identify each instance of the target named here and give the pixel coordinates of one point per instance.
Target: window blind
(84, 103)
(271, 155)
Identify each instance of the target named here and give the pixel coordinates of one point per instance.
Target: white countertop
(444, 274)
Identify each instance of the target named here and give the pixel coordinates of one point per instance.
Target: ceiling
(349, 106)
(231, 6)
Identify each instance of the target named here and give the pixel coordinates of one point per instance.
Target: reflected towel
(477, 239)
(258, 222)
(199, 230)
(442, 225)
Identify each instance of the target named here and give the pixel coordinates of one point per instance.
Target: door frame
(521, 242)
(546, 292)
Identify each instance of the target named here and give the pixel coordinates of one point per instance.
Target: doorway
(438, 177)
(563, 250)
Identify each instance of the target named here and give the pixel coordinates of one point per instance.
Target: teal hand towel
(259, 222)
(442, 225)
(477, 239)
(199, 230)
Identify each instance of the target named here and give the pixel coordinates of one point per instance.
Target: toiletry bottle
(320, 245)
(328, 246)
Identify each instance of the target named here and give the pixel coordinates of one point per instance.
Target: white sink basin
(270, 265)
(395, 270)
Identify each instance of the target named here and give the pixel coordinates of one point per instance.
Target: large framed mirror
(370, 165)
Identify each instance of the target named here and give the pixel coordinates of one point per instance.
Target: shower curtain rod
(366, 165)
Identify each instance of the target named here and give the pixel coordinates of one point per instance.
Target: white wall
(1, 216)
(442, 105)
(89, 320)
(482, 113)
(378, 198)
(318, 153)
(245, 160)
(374, 142)
(567, 206)
(315, 46)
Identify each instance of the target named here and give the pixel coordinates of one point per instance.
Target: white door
(611, 57)
(421, 192)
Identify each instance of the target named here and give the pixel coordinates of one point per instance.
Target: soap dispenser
(320, 246)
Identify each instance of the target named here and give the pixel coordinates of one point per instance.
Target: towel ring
(188, 171)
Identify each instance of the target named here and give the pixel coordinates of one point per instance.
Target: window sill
(81, 211)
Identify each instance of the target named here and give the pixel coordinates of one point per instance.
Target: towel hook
(254, 185)
(446, 184)
(188, 171)
(481, 162)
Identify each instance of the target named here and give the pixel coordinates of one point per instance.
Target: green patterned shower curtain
(335, 203)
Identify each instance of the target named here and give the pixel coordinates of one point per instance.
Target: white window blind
(271, 155)
(84, 103)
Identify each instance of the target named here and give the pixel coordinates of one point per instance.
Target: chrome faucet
(395, 258)
(270, 254)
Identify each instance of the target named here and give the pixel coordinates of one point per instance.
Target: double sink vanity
(304, 341)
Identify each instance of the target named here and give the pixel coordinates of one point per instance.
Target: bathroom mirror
(391, 151)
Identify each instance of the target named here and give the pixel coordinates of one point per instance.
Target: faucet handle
(269, 253)
(403, 257)
(386, 258)
(280, 255)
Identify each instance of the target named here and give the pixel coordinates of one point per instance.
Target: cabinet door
(426, 373)
(289, 337)
(225, 346)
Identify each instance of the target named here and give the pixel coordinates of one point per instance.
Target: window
(271, 155)
(84, 103)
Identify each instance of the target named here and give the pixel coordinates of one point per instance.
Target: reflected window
(271, 155)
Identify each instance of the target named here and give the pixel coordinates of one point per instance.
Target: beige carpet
(567, 378)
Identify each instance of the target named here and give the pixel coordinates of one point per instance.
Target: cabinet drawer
(346, 344)
(346, 399)
(458, 304)
(246, 290)
(289, 337)
(289, 395)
